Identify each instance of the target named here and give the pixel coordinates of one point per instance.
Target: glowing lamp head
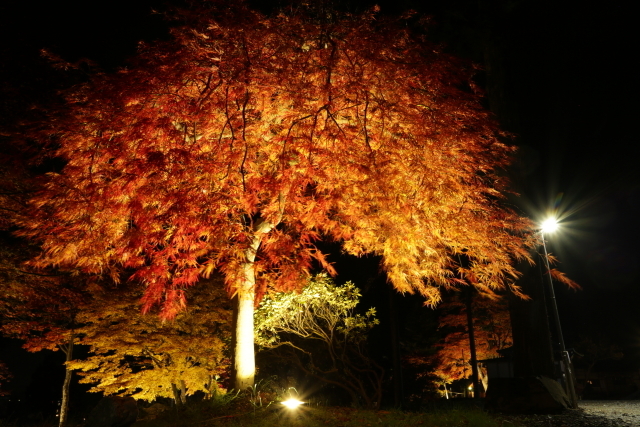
(292, 403)
(549, 225)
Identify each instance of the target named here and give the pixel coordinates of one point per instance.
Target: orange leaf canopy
(358, 131)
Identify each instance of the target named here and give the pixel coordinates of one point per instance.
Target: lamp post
(549, 226)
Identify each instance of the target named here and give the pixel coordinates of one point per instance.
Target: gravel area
(592, 413)
(624, 412)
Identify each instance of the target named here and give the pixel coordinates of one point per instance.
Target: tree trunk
(472, 346)
(64, 404)
(395, 350)
(244, 353)
(212, 387)
(484, 378)
(177, 400)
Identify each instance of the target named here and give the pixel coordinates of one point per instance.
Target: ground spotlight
(292, 403)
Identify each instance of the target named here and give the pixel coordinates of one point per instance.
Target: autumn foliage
(356, 130)
(139, 355)
(492, 331)
(238, 144)
(39, 308)
(451, 360)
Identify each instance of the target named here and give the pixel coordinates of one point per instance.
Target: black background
(561, 76)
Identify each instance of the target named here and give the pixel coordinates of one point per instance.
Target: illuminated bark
(244, 352)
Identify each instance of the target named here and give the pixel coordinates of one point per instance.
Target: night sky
(566, 85)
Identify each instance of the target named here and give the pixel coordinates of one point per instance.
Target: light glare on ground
(292, 403)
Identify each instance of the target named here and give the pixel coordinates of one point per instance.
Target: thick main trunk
(244, 352)
(244, 363)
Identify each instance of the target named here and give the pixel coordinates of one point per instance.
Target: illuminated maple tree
(140, 355)
(239, 143)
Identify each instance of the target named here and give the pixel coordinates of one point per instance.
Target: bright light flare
(549, 225)
(292, 403)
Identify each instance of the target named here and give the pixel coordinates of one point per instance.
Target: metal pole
(569, 377)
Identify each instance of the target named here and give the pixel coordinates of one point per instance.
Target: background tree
(492, 333)
(39, 308)
(36, 307)
(140, 355)
(451, 361)
(246, 138)
(320, 332)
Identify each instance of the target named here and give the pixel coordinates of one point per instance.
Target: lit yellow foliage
(321, 310)
(140, 355)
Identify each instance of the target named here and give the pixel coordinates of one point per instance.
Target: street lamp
(549, 226)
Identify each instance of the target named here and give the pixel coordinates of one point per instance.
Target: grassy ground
(276, 415)
(243, 413)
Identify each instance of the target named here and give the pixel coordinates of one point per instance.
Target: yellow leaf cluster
(139, 355)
